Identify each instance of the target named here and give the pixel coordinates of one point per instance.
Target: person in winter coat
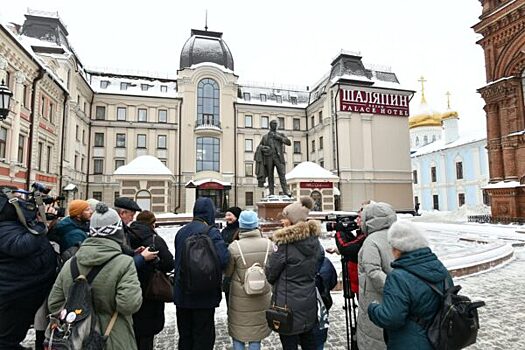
(115, 288)
(247, 313)
(406, 296)
(27, 271)
(149, 320)
(292, 269)
(229, 234)
(374, 260)
(73, 229)
(195, 313)
(325, 281)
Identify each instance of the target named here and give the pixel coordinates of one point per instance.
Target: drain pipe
(235, 154)
(337, 136)
(32, 127)
(179, 171)
(61, 162)
(89, 145)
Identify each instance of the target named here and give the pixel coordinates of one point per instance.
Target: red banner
(211, 186)
(373, 102)
(316, 185)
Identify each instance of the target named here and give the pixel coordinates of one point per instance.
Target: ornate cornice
(497, 91)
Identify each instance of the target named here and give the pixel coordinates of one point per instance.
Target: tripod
(350, 309)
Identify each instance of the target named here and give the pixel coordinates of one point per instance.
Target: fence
(488, 219)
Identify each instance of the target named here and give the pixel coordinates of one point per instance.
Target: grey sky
(289, 42)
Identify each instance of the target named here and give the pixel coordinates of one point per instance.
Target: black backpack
(456, 323)
(200, 266)
(76, 325)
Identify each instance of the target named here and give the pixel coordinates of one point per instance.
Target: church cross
(448, 99)
(422, 81)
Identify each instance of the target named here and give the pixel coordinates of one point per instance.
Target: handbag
(160, 286)
(280, 318)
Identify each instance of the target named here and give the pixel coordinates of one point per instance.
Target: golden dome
(449, 115)
(433, 119)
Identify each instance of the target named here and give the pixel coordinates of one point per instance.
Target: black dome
(205, 46)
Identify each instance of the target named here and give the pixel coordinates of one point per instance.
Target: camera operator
(27, 268)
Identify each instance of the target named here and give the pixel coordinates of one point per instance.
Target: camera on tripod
(41, 191)
(343, 223)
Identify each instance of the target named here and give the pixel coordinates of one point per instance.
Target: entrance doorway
(218, 197)
(144, 200)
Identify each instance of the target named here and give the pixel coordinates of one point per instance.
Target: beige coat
(247, 313)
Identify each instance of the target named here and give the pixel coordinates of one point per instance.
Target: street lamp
(5, 100)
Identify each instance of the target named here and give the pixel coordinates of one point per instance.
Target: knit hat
(299, 210)
(248, 220)
(235, 211)
(406, 237)
(93, 203)
(76, 207)
(105, 222)
(146, 217)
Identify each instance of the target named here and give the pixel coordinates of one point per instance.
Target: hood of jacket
(204, 210)
(377, 216)
(97, 250)
(68, 224)
(303, 235)
(422, 263)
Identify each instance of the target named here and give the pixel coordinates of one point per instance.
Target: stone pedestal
(270, 211)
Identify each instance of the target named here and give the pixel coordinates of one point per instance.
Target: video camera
(42, 191)
(343, 223)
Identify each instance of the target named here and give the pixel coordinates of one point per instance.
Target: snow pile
(143, 165)
(310, 170)
(458, 216)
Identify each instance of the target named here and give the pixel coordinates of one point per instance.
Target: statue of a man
(270, 155)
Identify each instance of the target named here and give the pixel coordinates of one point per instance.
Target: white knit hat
(105, 222)
(406, 237)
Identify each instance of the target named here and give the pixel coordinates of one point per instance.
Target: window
(83, 136)
(163, 88)
(161, 141)
(119, 163)
(248, 198)
(417, 140)
(296, 124)
(486, 198)
(248, 145)
(48, 165)
(461, 199)
(51, 116)
(99, 139)
(43, 107)
(100, 113)
(208, 153)
(320, 117)
(75, 164)
(121, 140)
(433, 138)
(104, 84)
(459, 170)
(425, 139)
(40, 155)
(141, 141)
(77, 133)
(313, 145)
(263, 97)
(124, 86)
(246, 96)
(248, 121)
(279, 98)
(163, 116)
(143, 115)
(312, 120)
(121, 113)
(433, 174)
(414, 176)
(21, 146)
(297, 147)
(97, 195)
(281, 123)
(3, 142)
(208, 102)
(82, 164)
(248, 169)
(321, 142)
(25, 96)
(98, 166)
(435, 200)
(293, 99)
(144, 87)
(264, 122)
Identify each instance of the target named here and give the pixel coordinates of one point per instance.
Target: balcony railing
(207, 123)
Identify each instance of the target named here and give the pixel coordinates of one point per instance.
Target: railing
(207, 123)
(488, 219)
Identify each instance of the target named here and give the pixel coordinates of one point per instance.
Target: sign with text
(317, 185)
(373, 102)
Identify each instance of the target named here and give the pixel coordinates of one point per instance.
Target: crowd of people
(387, 262)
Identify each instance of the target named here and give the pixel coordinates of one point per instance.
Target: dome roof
(425, 116)
(205, 46)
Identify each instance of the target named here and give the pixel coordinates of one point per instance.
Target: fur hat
(105, 222)
(406, 237)
(236, 211)
(299, 210)
(76, 207)
(146, 217)
(248, 220)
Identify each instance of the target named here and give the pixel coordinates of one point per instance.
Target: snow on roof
(212, 64)
(310, 170)
(196, 183)
(503, 184)
(143, 165)
(440, 145)
(517, 133)
(135, 86)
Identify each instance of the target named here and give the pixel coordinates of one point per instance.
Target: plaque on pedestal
(269, 210)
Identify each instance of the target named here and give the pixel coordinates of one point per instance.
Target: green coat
(116, 287)
(247, 313)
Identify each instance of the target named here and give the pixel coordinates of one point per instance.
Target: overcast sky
(289, 42)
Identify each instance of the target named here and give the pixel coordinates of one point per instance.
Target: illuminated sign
(373, 102)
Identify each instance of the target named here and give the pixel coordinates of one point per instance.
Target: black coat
(149, 320)
(28, 263)
(292, 270)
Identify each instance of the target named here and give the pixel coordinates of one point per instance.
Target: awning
(209, 184)
(70, 187)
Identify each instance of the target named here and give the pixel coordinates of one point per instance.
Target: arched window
(433, 138)
(208, 154)
(425, 139)
(417, 140)
(208, 102)
(143, 199)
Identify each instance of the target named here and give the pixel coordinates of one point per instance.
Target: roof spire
(422, 81)
(206, 21)
(448, 99)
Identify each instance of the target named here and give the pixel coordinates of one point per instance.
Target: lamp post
(5, 100)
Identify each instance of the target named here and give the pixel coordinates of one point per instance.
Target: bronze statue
(270, 154)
